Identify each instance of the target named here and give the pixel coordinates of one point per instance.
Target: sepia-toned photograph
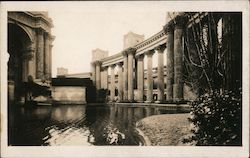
(124, 74)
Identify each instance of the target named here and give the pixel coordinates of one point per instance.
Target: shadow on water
(78, 124)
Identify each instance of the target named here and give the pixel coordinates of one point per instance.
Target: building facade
(30, 51)
(132, 84)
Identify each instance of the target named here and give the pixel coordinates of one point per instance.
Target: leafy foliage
(216, 118)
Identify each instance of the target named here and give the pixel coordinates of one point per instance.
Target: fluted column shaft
(28, 63)
(120, 86)
(47, 57)
(160, 75)
(104, 80)
(40, 55)
(125, 77)
(98, 75)
(178, 63)
(93, 70)
(50, 59)
(112, 84)
(170, 63)
(140, 77)
(149, 76)
(130, 76)
(24, 68)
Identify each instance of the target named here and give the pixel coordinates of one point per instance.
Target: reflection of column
(120, 76)
(178, 62)
(125, 76)
(130, 116)
(120, 112)
(112, 84)
(40, 55)
(131, 53)
(93, 73)
(160, 71)
(138, 113)
(112, 113)
(170, 61)
(46, 57)
(149, 76)
(149, 111)
(125, 114)
(98, 75)
(140, 77)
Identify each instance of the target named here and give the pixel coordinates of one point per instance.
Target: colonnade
(43, 55)
(135, 61)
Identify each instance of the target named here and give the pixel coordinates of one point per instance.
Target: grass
(167, 129)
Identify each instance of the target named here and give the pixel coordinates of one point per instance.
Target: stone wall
(69, 94)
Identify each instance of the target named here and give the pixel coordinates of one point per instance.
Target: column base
(125, 101)
(140, 101)
(149, 101)
(160, 101)
(178, 92)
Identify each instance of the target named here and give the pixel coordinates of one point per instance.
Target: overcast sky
(81, 28)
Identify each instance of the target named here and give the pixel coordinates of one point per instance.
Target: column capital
(119, 64)
(124, 53)
(98, 62)
(139, 57)
(104, 68)
(28, 55)
(180, 21)
(169, 27)
(160, 48)
(150, 52)
(112, 66)
(40, 30)
(128, 51)
(131, 50)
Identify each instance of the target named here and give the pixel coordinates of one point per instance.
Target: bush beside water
(217, 119)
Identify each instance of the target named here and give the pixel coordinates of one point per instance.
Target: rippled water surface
(78, 124)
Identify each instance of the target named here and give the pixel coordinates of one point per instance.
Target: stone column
(50, 55)
(125, 76)
(29, 63)
(104, 80)
(149, 76)
(170, 61)
(93, 73)
(131, 53)
(46, 56)
(178, 61)
(140, 77)
(120, 86)
(112, 84)
(40, 55)
(160, 75)
(98, 74)
(24, 68)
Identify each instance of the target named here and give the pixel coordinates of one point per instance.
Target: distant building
(131, 39)
(79, 75)
(61, 71)
(99, 54)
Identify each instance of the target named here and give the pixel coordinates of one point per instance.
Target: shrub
(217, 119)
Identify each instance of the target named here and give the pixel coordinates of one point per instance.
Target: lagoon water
(78, 124)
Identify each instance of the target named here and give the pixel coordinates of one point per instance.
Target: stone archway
(20, 53)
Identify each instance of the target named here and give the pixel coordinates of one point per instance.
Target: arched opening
(18, 43)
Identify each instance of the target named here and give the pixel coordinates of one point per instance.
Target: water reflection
(77, 124)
